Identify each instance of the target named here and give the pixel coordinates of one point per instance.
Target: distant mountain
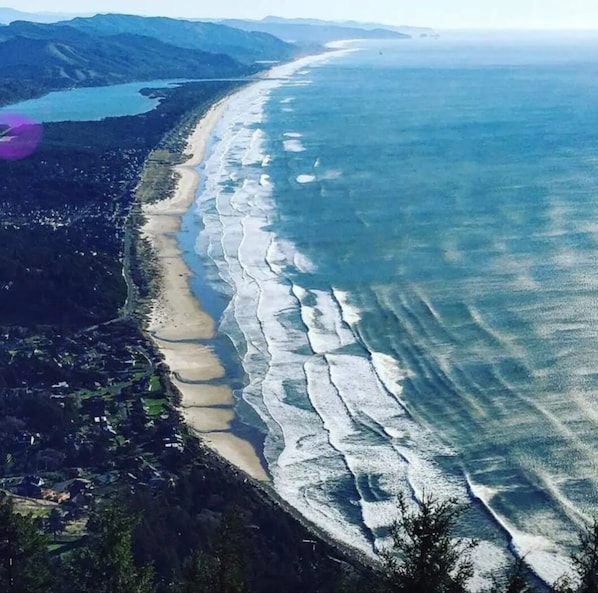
(28, 30)
(411, 31)
(244, 46)
(36, 58)
(313, 31)
(9, 15)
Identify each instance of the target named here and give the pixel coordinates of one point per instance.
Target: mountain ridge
(8, 15)
(36, 58)
(311, 31)
(406, 29)
(243, 46)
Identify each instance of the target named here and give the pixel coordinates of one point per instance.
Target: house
(80, 486)
(80, 492)
(24, 441)
(107, 427)
(60, 388)
(53, 496)
(96, 408)
(30, 487)
(173, 440)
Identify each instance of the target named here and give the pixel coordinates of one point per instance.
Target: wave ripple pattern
(410, 279)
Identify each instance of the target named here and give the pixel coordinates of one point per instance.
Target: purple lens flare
(19, 136)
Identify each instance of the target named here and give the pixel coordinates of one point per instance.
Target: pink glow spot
(19, 136)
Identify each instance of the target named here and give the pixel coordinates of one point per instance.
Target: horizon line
(340, 22)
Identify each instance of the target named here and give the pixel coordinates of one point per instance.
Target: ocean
(399, 244)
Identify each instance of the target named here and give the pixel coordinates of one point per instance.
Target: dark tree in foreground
(231, 551)
(106, 564)
(425, 556)
(563, 585)
(585, 563)
(585, 560)
(225, 568)
(517, 580)
(54, 522)
(199, 575)
(24, 564)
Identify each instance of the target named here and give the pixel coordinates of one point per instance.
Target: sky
(439, 14)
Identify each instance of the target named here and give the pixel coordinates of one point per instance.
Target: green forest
(125, 551)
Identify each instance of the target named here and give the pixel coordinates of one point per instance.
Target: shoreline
(178, 325)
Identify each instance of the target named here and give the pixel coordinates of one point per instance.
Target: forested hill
(37, 58)
(244, 46)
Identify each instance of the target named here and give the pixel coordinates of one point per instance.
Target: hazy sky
(551, 14)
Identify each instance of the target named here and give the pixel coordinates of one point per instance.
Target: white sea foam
(303, 263)
(332, 174)
(292, 135)
(321, 316)
(542, 555)
(390, 372)
(305, 179)
(547, 560)
(360, 456)
(293, 145)
(254, 154)
(351, 314)
(332, 411)
(492, 560)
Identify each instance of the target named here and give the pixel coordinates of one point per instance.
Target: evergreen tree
(230, 555)
(516, 580)
(24, 562)
(54, 522)
(106, 564)
(199, 575)
(225, 569)
(425, 556)
(585, 563)
(562, 585)
(585, 560)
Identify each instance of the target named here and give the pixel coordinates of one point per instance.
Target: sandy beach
(180, 327)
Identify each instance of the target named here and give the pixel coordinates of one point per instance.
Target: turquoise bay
(90, 103)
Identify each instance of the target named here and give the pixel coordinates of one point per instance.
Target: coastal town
(87, 404)
(95, 406)
(90, 413)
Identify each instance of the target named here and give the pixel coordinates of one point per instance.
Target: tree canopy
(425, 556)
(24, 562)
(106, 564)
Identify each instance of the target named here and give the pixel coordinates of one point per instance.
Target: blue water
(404, 240)
(90, 103)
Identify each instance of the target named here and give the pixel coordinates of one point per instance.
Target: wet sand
(179, 326)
